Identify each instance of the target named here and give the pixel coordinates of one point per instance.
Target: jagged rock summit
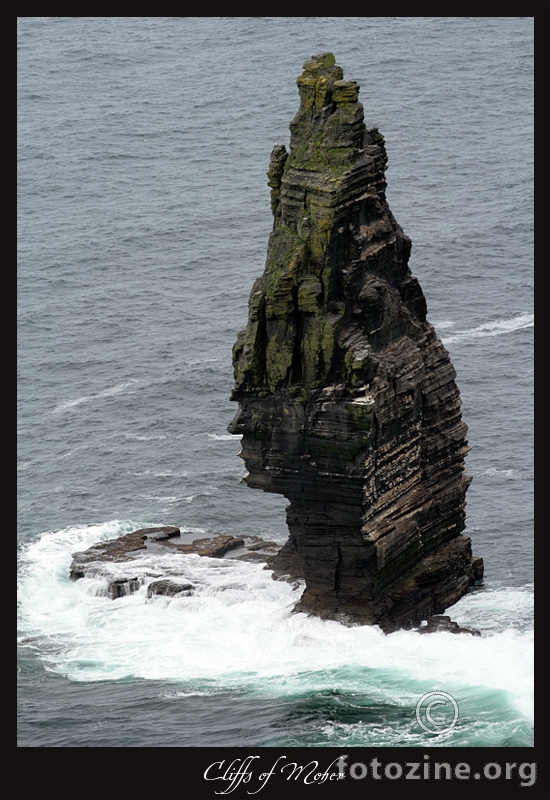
(348, 401)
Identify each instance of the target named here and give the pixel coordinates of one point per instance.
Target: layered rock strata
(348, 401)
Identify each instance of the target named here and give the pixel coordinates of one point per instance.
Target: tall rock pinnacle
(348, 402)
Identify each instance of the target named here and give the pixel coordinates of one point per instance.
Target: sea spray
(238, 633)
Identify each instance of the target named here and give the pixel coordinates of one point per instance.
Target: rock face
(348, 402)
(169, 588)
(437, 624)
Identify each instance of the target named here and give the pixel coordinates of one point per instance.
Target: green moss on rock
(290, 337)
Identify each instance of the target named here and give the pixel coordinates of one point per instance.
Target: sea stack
(348, 404)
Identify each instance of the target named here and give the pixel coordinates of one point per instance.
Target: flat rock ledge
(86, 562)
(102, 559)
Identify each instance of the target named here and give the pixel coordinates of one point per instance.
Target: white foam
(178, 695)
(110, 392)
(502, 609)
(205, 493)
(495, 328)
(139, 438)
(170, 499)
(224, 437)
(193, 362)
(493, 472)
(443, 324)
(74, 450)
(166, 474)
(238, 629)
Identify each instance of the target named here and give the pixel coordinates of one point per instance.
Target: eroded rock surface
(348, 401)
(438, 624)
(169, 588)
(121, 549)
(114, 561)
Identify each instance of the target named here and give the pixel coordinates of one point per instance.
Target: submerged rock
(120, 549)
(101, 560)
(436, 624)
(114, 561)
(121, 587)
(169, 588)
(348, 401)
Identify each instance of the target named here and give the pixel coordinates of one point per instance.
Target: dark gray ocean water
(143, 219)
